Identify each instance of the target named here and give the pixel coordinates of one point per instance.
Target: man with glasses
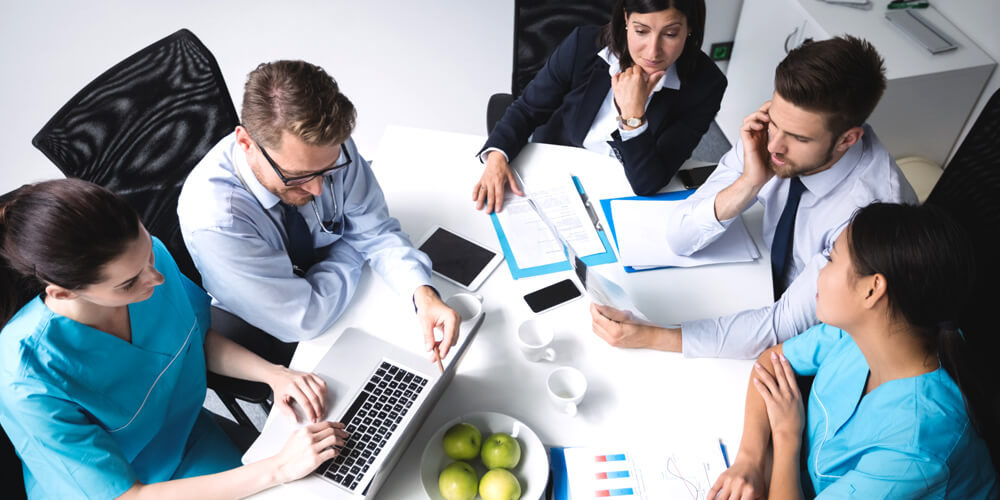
(282, 214)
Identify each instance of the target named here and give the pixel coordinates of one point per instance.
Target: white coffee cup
(533, 338)
(467, 305)
(566, 387)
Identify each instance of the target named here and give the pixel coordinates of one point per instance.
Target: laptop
(382, 393)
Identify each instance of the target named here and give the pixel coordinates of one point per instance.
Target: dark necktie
(781, 247)
(300, 242)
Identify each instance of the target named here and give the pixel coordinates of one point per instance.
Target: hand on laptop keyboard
(307, 448)
(308, 390)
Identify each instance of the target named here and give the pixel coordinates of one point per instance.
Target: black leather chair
(969, 188)
(539, 27)
(138, 129)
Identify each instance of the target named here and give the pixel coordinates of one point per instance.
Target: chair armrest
(496, 108)
(251, 392)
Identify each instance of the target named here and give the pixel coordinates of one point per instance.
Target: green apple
(462, 441)
(501, 451)
(458, 481)
(499, 484)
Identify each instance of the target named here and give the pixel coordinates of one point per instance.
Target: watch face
(634, 122)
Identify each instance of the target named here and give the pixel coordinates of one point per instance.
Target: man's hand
(432, 314)
(781, 395)
(753, 134)
(631, 88)
(618, 330)
(489, 191)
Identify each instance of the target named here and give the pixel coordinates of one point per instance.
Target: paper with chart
(530, 239)
(674, 470)
(640, 228)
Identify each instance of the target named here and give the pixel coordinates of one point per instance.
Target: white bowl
(532, 471)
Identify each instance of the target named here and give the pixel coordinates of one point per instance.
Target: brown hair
(843, 78)
(61, 232)
(613, 35)
(298, 97)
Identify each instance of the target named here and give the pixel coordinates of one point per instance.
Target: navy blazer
(561, 102)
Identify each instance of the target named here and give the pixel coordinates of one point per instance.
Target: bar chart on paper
(628, 474)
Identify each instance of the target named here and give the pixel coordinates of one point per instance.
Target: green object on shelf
(905, 4)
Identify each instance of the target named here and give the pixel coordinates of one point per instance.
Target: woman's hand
(741, 481)
(307, 448)
(489, 191)
(631, 88)
(306, 389)
(782, 398)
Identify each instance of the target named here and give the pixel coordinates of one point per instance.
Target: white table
(633, 395)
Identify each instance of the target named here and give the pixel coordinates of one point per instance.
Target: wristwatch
(633, 122)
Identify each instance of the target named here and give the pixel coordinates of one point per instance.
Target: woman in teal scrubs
(887, 416)
(102, 372)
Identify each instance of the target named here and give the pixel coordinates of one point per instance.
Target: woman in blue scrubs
(102, 371)
(896, 408)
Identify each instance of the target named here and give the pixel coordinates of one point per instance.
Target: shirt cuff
(486, 152)
(704, 213)
(700, 339)
(629, 134)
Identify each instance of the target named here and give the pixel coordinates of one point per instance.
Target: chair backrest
(540, 25)
(140, 127)
(969, 188)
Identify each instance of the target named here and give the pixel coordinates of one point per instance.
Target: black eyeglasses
(302, 179)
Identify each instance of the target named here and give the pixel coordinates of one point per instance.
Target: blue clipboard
(517, 272)
(606, 207)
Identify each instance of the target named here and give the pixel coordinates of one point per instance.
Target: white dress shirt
(237, 239)
(865, 174)
(606, 121)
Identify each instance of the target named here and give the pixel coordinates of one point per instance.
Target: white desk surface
(634, 395)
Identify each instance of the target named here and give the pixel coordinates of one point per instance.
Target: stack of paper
(641, 230)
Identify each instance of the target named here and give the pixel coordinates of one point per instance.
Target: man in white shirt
(809, 158)
(282, 214)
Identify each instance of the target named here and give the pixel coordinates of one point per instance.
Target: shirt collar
(669, 79)
(823, 182)
(266, 198)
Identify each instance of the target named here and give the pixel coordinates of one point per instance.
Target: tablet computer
(459, 259)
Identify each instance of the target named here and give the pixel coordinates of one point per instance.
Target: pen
(725, 457)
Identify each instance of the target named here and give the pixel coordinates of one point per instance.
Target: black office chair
(138, 129)
(969, 188)
(539, 27)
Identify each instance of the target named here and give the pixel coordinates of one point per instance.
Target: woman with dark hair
(639, 89)
(896, 408)
(102, 371)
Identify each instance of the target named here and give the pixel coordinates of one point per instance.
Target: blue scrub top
(91, 414)
(908, 438)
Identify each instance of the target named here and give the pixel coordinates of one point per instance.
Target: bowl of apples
(484, 455)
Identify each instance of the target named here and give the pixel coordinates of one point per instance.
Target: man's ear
(59, 293)
(243, 139)
(849, 138)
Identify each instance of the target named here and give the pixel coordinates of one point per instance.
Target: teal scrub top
(90, 414)
(908, 438)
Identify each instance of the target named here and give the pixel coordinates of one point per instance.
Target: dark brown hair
(843, 78)
(929, 267)
(298, 97)
(61, 232)
(615, 37)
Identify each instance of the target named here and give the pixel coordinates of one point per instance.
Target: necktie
(300, 242)
(781, 247)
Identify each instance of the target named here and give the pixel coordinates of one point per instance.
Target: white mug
(566, 387)
(467, 305)
(533, 338)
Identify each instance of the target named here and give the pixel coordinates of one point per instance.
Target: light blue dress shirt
(237, 240)
(908, 438)
(90, 414)
(865, 174)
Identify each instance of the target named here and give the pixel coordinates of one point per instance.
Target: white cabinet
(928, 97)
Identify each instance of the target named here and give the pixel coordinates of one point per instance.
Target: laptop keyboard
(371, 421)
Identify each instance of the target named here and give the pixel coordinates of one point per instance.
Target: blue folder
(517, 272)
(606, 207)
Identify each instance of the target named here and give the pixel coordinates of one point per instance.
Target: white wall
(432, 64)
(978, 20)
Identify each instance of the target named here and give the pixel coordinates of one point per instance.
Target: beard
(791, 169)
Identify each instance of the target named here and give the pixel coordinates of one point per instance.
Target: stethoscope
(329, 227)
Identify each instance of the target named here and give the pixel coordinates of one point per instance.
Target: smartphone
(552, 295)
(694, 177)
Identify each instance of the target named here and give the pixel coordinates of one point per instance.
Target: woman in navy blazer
(639, 89)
